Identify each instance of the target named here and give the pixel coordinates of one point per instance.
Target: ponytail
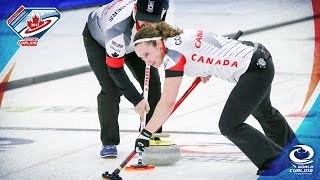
(166, 30)
(161, 29)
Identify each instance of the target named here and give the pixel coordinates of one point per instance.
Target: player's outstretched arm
(166, 104)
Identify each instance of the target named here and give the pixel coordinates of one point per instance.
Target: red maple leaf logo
(35, 22)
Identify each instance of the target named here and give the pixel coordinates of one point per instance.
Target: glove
(142, 141)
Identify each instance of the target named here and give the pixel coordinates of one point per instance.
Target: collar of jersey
(164, 48)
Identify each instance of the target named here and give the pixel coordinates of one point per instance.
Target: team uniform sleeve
(174, 67)
(115, 50)
(126, 87)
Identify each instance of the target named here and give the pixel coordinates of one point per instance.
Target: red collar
(164, 48)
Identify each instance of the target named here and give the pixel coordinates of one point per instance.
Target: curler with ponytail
(161, 29)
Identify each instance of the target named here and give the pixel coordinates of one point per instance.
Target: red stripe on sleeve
(114, 62)
(180, 65)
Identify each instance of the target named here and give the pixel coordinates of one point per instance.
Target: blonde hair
(161, 29)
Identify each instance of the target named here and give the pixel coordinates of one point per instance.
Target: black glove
(142, 141)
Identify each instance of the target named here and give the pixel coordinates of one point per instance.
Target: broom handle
(184, 96)
(145, 96)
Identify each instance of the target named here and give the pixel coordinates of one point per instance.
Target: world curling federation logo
(30, 24)
(301, 159)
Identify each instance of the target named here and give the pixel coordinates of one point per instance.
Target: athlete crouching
(200, 53)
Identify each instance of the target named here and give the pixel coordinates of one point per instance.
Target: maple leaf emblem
(35, 22)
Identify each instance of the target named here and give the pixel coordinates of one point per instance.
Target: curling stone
(161, 152)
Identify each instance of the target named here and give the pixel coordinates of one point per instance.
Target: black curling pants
(251, 95)
(109, 96)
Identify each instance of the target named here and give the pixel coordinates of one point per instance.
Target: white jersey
(112, 25)
(200, 53)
